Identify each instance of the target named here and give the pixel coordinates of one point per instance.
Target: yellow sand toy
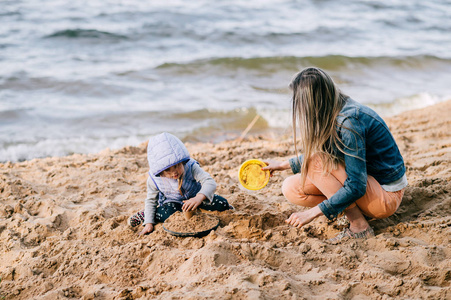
(251, 175)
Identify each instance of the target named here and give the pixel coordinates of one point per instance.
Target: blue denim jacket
(370, 150)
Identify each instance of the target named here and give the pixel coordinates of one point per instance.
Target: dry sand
(64, 233)
(178, 224)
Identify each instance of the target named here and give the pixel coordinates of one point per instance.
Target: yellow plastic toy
(251, 175)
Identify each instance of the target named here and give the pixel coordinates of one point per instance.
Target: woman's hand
(274, 165)
(302, 218)
(148, 228)
(193, 203)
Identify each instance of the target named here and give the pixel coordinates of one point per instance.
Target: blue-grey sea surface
(82, 76)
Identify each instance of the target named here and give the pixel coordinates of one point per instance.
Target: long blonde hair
(316, 104)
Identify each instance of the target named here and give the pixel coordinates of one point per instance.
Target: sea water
(82, 76)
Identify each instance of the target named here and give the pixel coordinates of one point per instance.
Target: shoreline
(213, 137)
(64, 233)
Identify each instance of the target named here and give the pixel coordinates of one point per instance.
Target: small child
(176, 183)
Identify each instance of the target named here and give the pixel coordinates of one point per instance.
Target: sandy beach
(64, 232)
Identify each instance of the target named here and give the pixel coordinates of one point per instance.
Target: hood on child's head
(165, 150)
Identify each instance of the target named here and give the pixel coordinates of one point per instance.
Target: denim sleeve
(354, 186)
(295, 165)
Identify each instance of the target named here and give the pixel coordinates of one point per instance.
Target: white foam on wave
(63, 147)
(412, 102)
(282, 118)
(276, 118)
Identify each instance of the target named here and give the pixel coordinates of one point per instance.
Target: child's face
(174, 172)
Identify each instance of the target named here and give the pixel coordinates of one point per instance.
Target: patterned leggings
(166, 210)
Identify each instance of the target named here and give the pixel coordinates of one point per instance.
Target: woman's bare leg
(329, 184)
(307, 196)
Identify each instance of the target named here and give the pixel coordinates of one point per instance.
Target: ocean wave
(10, 13)
(399, 105)
(116, 130)
(218, 126)
(22, 81)
(12, 115)
(86, 34)
(4, 46)
(51, 147)
(329, 62)
(218, 119)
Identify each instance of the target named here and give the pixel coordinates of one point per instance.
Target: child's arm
(206, 181)
(150, 207)
(207, 190)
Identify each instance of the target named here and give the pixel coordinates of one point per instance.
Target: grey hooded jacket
(163, 151)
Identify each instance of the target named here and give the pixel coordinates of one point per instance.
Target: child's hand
(147, 229)
(193, 203)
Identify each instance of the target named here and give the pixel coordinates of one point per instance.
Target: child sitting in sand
(350, 160)
(176, 183)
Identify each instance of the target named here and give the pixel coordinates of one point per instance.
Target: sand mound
(64, 233)
(199, 222)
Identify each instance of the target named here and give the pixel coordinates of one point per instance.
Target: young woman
(350, 159)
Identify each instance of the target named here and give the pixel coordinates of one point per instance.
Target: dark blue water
(81, 76)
